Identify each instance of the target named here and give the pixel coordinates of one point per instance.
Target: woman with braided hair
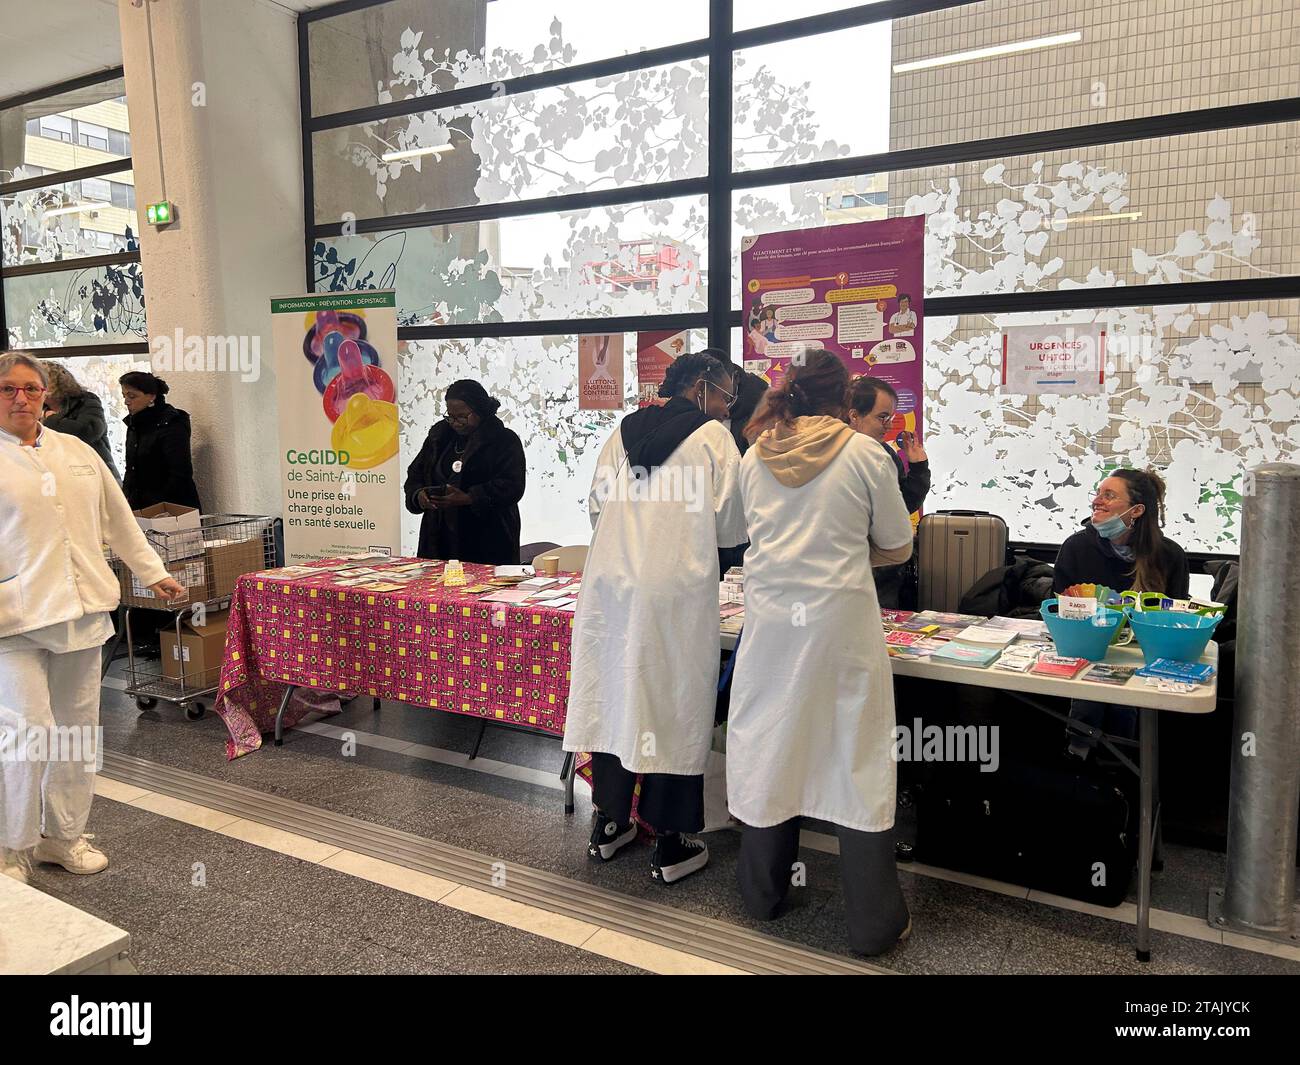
(645, 638)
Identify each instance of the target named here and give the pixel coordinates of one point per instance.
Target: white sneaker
(16, 864)
(75, 855)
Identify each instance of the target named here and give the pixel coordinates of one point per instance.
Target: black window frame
(721, 181)
(68, 177)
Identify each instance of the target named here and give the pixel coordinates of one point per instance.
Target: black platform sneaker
(677, 856)
(608, 836)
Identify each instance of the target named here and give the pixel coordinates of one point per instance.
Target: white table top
(1134, 693)
(41, 935)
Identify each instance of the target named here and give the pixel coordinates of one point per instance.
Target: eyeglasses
(731, 397)
(459, 419)
(885, 418)
(1110, 497)
(32, 392)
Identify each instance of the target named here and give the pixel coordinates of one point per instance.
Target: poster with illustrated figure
(856, 290)
(655, 351)
(336, 380)
(600, 372)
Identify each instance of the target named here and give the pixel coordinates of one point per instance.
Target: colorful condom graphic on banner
(357, 394)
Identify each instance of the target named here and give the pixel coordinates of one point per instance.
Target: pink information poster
(855, 290)
(655, 352)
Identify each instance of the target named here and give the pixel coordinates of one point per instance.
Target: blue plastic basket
(1083, 637)
(1172, 634)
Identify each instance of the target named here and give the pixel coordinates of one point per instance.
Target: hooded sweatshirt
(797, 452)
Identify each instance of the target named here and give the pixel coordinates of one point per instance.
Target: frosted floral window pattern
(1200, 392)
(535, 378)
(631, 259)
(91, 306)
(460, 43)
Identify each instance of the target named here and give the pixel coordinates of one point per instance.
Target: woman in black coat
(71, 409)
(158, 465)
(467, 481)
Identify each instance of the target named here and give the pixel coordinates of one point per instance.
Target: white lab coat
(645, 638)
(811, 721)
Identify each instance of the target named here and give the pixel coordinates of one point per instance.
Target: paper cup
(547, 565)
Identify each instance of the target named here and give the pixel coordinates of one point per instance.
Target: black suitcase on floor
(1043, 827)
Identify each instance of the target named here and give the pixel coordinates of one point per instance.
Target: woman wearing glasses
(1121, 546)
(645, 638)
(467, 481)
(59, 505)
(871, 406)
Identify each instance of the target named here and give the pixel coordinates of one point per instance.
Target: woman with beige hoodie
(810, 732)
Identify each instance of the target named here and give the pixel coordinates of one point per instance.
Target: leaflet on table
(923, 648)
(1020, 626)
(288, 573)
(1105, 673)
(506, 595)
(1059, 666)
(899, 638)
(895, 617)
(1192, 672)
(964, 655)
(985, 635)
(1015, 663)
(939, 617)
(913, 625)
(727, 610)
(536, 582)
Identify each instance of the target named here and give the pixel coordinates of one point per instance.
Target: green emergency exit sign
(160, 214)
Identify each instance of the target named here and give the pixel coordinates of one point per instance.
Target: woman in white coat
(810, 730)
(645, 638)
(59, 504)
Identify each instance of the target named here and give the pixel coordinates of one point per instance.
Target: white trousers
(51, 693)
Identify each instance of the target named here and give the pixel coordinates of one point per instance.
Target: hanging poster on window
(1060, 360)
(856, 290)
(336, 379)
(655, 351)
(600, 372)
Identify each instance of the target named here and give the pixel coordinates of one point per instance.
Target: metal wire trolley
(207, 560)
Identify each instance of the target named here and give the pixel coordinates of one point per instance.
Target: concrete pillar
(212, 91)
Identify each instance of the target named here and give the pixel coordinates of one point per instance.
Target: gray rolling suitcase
(956, 548)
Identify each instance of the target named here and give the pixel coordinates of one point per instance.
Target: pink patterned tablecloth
(427, 645)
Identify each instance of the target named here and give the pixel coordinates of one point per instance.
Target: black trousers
(873, 901)
(889, 584)
(668, 802)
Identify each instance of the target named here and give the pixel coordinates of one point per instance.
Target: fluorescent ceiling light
(411, 153)
(77, 208)
(1093, 218)
(987, 53)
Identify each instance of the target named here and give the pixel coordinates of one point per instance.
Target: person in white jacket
(645, 639)
(810, 730)
(59, 505)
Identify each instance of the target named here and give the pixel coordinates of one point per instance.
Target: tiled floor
(958, 928)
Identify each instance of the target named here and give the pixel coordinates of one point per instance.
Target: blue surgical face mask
(1113, 527)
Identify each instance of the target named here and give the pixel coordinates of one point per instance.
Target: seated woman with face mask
(1121, 546)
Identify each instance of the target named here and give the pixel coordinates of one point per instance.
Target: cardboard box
(196, 659)
(228, 560)
(192, 573)
(172, 530)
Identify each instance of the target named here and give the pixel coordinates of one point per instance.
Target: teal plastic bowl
(1171, 633)
(1081, 638)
